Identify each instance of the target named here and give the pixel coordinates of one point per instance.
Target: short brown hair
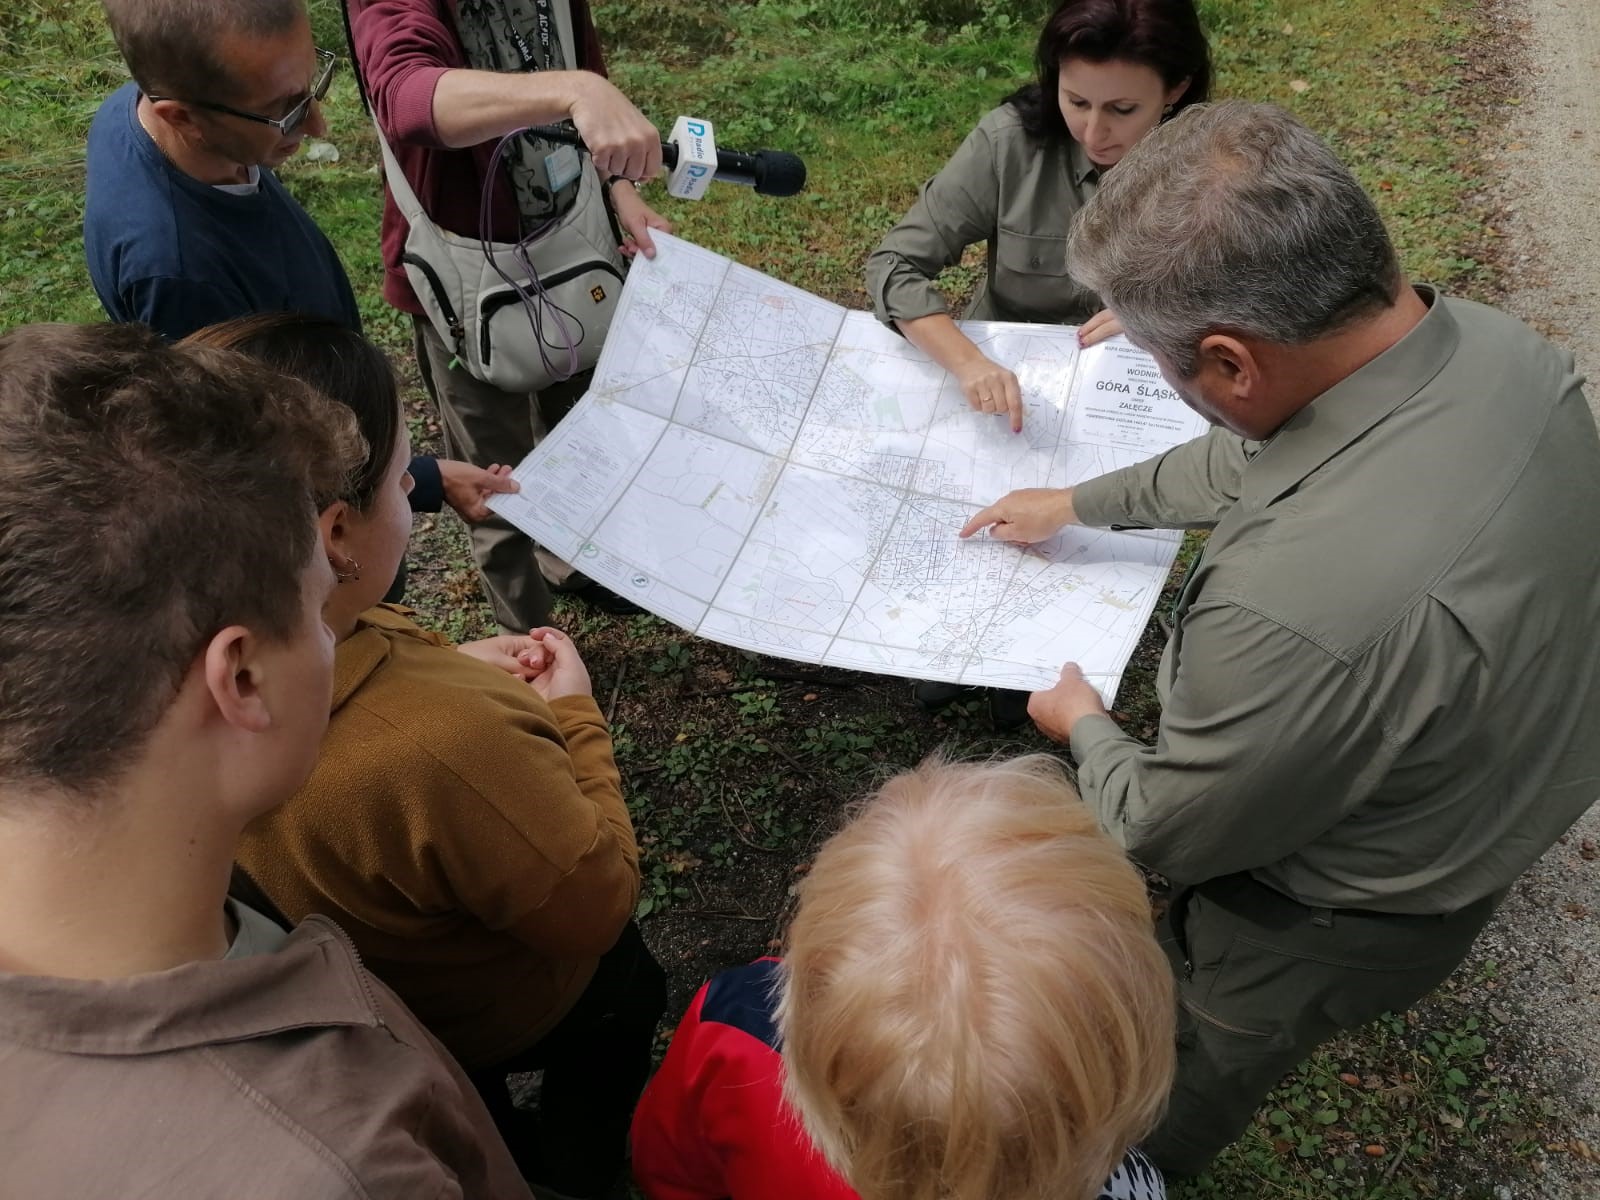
(973, 1002)
(150, 495)
(170, 45)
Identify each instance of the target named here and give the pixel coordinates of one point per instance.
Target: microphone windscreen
(779, 173)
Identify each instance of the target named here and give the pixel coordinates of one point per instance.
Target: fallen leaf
(1298, 85)
(1280, 1147)
(1288, 28)
(1517, 146)
(1587, 850)
(1575, 910)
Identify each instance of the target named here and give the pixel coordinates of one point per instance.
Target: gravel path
(1546, 937)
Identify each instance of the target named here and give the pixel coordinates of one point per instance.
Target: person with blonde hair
(972, 1006)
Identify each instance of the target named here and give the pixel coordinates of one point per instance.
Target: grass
(737, 768)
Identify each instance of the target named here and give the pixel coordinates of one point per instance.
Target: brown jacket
(286, 1076)
(470, 837)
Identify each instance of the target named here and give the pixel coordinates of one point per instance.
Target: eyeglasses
(291, 120)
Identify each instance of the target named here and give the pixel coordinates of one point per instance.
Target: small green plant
(674, 660)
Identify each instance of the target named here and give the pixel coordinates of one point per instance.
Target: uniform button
(1034, 261)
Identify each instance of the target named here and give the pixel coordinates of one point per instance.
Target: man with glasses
(185, 223)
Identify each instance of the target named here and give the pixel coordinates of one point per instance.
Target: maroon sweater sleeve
(402, 47)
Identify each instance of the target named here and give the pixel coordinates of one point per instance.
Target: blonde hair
(973, 1005)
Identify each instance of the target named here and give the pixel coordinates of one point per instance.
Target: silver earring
(1167, 111)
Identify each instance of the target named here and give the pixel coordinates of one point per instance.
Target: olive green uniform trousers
(1263, 980)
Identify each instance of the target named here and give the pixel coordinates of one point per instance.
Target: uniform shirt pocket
(1031, 253)
(1031, 282)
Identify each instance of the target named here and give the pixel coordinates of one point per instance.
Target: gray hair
(170, 45)
(1233, 217)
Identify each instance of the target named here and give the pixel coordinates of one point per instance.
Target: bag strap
(566, 31)
(399, 186)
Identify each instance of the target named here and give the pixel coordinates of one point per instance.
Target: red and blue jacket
(713, 1124)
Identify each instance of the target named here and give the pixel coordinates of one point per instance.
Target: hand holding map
(772, 471)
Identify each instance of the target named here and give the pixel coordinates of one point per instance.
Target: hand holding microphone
(695, 160)
(621, 142)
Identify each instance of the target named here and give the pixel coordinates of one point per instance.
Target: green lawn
(737, 768)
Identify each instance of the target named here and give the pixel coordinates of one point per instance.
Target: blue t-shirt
(177, 254)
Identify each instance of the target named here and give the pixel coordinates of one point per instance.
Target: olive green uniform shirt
(1383, 688)
(1016, 192)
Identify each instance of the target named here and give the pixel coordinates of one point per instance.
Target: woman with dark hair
(464, 823)
(1109, 72)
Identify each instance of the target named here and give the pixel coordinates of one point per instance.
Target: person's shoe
(603, 599)
(1008, 709)
(933, 695)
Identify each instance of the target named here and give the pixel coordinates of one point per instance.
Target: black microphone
(769, 172)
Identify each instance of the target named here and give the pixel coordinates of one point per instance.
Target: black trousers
(1263, 980)
(595, 1063)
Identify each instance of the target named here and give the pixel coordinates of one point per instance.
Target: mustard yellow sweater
(469, 836)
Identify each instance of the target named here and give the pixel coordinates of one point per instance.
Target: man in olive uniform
(1381, 691)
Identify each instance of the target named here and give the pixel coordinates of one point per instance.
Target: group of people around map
(296, 894)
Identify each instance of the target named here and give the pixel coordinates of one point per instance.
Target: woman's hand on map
(989, 387)
(564, 673)
(1056, 710)
(1025, 515)
(1099, 328)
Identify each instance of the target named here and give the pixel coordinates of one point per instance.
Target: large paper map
(775, 472)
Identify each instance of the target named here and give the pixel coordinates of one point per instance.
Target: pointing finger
(1014, 402)
(985, 518)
